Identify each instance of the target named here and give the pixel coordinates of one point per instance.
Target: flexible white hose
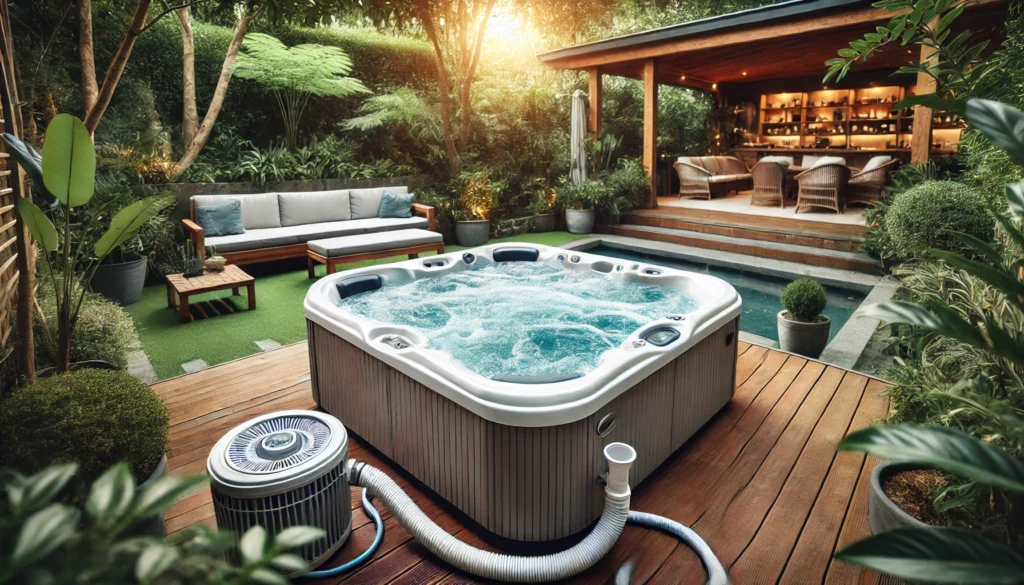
(491, 565)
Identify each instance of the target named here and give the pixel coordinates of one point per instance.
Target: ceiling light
(744, 74)
(714, 86)
(682, 78)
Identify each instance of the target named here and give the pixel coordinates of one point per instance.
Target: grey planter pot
(121, 283)
(544, 223)
(472, 233)
(579, 221)
(154, 525)
(883, 513)
(807, 339)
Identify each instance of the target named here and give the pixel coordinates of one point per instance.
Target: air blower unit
(280, 470)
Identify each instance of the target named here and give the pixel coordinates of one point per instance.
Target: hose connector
(620, 458)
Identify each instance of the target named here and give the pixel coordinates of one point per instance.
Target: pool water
(762, 294)
(522, 319)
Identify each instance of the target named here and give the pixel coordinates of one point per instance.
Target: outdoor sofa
(704, 176)
(278, 225)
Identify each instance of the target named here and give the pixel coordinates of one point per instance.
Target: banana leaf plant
(67, 173)
(951, 555)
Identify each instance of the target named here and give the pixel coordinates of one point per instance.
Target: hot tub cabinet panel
(529, 483)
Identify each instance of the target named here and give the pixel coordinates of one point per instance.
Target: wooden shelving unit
(848, 119)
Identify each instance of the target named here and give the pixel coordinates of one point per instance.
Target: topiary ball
(923, 216)
(804, 299)
(94, 418)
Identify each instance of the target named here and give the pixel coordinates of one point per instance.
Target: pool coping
(849, 343)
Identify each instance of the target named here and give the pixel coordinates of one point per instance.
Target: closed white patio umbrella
(578, 153)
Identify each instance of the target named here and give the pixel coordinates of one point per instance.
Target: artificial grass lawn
(278, 315)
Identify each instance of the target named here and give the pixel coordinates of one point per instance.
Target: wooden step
(793, 224)
(814, 256)
(801, 235)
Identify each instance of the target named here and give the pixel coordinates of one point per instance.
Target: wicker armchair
(867, 186)
(823, 186)
(769, 180)
(693, 180)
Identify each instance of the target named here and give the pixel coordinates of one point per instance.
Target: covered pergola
(758, 47)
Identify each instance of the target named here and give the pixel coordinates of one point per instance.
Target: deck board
(761, 482)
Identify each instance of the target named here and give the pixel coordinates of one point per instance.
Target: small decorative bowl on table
(215, 264)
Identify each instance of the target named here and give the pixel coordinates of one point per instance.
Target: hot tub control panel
(662, 337)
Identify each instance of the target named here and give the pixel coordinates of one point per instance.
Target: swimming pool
(762, 293)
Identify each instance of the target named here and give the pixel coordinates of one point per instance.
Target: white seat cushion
(343, 246)
(259, 210)
(875, 162)
(808, 160)
(254, 239)
(786, 161)
(721, 178)
(829, 160)
(314, 207)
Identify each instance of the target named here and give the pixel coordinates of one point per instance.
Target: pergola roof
(783, 40)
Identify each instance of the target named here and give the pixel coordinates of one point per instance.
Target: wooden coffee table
(179, 288)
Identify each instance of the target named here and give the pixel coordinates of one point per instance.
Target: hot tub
(496, 375)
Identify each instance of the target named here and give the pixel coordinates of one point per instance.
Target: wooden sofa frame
(195, 234)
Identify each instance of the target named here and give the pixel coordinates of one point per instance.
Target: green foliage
(93, 418)
(804, 299)
(479, 196)
(588, 194)
(628, 183)
(104, 331)
(44, 541)
(925, 216)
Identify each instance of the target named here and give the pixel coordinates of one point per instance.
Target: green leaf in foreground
(942, 448)
(938, 555)
(69, 161)
(127, 221)
(38, 224)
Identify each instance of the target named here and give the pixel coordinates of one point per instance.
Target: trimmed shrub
(104, 331)
(95, 418)
(924, 216)
(804, 299)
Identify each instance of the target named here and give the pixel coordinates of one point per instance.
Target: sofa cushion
(343, 246)
(253, 239)
(730, 165)
(710, 163)
(259, 210)
(829, 160)
(387, 224)
(808, 160)
(691, 160)
(221, 219)
(365, 203)
(721, 178)
(875, 162)
(333, 229)
(396, 205)
(314, 207)
(786, 161)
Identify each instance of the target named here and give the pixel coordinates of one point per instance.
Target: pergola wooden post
(651, 130)
(596, 97)
(921, 138)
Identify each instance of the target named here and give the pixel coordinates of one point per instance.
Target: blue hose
(715, 570)
(378, 524)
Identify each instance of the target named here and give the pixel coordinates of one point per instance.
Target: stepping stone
(140, 367)
(268, 344)
(194, 366)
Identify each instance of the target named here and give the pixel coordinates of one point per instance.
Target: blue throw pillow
(396, 205)
(221, 219)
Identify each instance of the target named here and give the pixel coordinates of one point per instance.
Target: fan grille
(244, 453)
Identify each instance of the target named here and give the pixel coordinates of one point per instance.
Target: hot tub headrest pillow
(221, 219)
(396, 204)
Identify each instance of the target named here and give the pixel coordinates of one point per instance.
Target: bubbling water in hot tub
(522, 319)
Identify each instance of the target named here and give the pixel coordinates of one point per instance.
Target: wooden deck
(762, 482)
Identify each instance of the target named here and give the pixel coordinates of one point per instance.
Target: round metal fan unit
(284, 469)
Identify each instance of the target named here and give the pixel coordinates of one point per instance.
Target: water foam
(522, 318)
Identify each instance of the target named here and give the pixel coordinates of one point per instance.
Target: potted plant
(472, 219)
(542, 207)
(579, 200)
(626, 187)
(69, 252)
(802, 328)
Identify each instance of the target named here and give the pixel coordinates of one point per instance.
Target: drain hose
(715, 570)
(490, 565)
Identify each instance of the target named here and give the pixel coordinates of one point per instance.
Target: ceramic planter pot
(883, 513)
(579, 221)
(807, 339)
(122, 282)
(472, 233)
(544, 223)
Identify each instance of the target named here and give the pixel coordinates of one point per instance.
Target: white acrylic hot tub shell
(520, 404)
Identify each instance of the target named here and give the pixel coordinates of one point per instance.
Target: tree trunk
(467, 82)
(116, 68)
(445, 98)
(203, 132)
(64, 335)
(86, 57)
(190, 113)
